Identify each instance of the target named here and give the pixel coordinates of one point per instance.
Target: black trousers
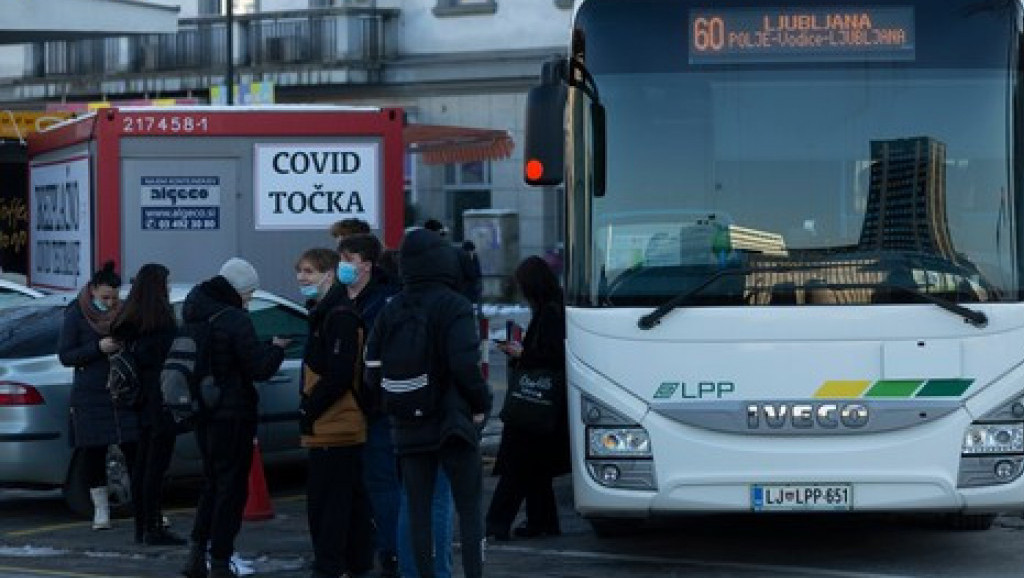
(461, 463)
(153, 457)
(338, 511)
(513, 488)
(226, 448)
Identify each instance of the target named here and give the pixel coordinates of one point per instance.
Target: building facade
(448, 62)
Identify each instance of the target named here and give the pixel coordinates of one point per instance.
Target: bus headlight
(994, 438)
(618, 442)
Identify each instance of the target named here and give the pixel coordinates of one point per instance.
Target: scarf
(99, 320)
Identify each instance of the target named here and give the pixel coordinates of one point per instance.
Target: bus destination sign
(740, 35)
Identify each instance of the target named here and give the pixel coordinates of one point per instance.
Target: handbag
(534, 399)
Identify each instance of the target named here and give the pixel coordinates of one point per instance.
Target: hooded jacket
(238, 358)
(430, 274)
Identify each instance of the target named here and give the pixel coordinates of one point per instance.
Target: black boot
(157, 535)
(221, 569)
(388, 565)
(195, 567)
(139, 528)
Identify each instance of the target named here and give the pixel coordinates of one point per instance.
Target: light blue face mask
(309, 291)
(99, 305)
(347, 273)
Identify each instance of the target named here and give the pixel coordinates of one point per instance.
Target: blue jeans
(380, 475)
(443, 514)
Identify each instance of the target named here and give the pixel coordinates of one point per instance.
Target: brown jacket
(332, 371)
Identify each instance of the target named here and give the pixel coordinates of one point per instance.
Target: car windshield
(30, 330)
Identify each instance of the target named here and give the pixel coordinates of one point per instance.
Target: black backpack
(409, 388)
(123, 380)
(187, 384)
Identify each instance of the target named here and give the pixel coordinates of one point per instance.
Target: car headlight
(610, 442)
(994, 438)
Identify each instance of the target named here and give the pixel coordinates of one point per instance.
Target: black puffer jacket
(430, 274)
(238, 358)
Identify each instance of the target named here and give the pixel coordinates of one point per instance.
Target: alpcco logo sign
(310, 186)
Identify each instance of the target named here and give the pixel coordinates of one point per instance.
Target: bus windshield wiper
(976, 318)
(654, 317)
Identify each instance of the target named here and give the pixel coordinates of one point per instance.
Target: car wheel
(76, 488)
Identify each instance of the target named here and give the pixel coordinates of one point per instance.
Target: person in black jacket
(225, 433)
(95, 423)
(450, 435)
(528, 461)
(146, 327)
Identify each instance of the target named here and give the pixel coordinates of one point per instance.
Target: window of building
(563, 3)
(467, 186)
(464, 7)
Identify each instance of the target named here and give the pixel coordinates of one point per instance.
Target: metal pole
(230, 33)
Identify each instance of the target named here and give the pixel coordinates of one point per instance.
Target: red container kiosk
(191, 187)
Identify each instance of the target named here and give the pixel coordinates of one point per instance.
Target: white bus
(794, 255)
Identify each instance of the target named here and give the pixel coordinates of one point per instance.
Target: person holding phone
(527, 462)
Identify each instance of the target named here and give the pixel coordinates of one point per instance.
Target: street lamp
(230, 34)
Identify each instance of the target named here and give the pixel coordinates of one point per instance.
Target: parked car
(35, 387)
(12, 293)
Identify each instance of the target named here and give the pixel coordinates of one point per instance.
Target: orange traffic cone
(257, 506)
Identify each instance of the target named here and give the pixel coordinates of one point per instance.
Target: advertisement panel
(60, 223)
(180, 203)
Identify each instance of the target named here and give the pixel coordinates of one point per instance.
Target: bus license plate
(801, 497)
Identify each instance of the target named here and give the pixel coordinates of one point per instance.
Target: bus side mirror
(544, 150)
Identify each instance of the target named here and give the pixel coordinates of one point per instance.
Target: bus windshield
(817, 179)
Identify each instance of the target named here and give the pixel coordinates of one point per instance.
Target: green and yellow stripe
(893, 388)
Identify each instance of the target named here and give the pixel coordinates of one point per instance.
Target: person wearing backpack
(95, 422)
(423, 358)
(146, 327)
(225, 430)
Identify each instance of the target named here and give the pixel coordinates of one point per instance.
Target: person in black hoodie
(450, 435)
(225, 433)
(146, 326)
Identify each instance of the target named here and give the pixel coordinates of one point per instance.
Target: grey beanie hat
(240, 274)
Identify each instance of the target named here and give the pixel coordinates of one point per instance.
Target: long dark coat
(94, 420)
(523, 450)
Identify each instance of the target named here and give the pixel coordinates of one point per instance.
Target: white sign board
(60, 226)
(310, 186)
(180, 203)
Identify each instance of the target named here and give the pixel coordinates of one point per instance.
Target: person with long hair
(527, 461)
(146, 327)
(95, 423)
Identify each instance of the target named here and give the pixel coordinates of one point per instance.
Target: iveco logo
(806, 415)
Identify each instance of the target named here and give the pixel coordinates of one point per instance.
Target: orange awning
(440, 144)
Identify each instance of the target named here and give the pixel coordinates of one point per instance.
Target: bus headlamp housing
(618, 442)
(994, 438)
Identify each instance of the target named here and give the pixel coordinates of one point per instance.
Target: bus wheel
(969, 522)
(615, 527)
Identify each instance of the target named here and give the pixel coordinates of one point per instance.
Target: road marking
(63, 574)
(68, 525)
(659, 560)
(42, 529)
